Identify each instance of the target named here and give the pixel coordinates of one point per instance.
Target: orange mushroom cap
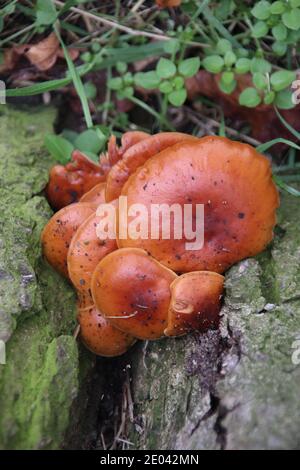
(57, 234)
(95, 195)
(136, 156)
(132, 290)
(231, 180)
(85, 252)
(98, 335)
(68, 183)
(195, 302)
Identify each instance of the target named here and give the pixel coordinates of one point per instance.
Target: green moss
(40, 380)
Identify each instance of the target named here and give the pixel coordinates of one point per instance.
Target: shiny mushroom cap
(57, 234)
(136, 156)
(96, 195)
(132, 290)
(195, 302)
(98, 335)
(85, 251)
(234, 185)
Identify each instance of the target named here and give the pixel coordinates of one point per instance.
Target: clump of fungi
(135, 288)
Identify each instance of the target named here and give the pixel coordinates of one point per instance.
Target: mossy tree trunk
(235, 388)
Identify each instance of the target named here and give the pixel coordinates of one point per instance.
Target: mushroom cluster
(143, 288)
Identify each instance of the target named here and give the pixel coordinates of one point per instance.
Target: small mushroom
(136, 156)
(57, 234)
(98, 335)
(195, 302)
(132, 291)
(95, 195)
(234, 185)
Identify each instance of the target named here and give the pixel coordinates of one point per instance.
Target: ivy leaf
(148, 80)
(282, 79)
(45, 12)
(269, 97)
(227, 84)
(177, 97)
(279, 48)
(60, 148)
(166, 87)
(189, 67)
(165, 68)
(250, 98)
(213, 63)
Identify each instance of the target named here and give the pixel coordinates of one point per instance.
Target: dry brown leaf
(43, 54)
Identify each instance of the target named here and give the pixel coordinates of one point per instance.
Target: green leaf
(172, 46)
(289, 189)
(166, 87)
(229, 58)
(259, 80)
(60, 148)
(287, 125)
(261, 10)
(223, 46)
(90, 90)
(227, 78)
(242, 65)
(178, 82)
(291, 18)
(128, 78)
(260, 65)
(269, 97)
(189, 67)
(177, 97)
(260, 29)
(277, 8)
(283, 99)
(250, 98)
(282, 79)
(165, 68)
(149, 80)
(279, 48)
(279, 32)
(227, 87)
(78, 85)
(45, 12)
(213, 63)
(295, 3)
(115, 83)
(266, 145)
(121, 67)
(89, 141)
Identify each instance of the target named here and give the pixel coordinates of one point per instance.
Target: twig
(126, 29)
(231, 131)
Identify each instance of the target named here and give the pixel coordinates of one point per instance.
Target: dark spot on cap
(241, 215)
